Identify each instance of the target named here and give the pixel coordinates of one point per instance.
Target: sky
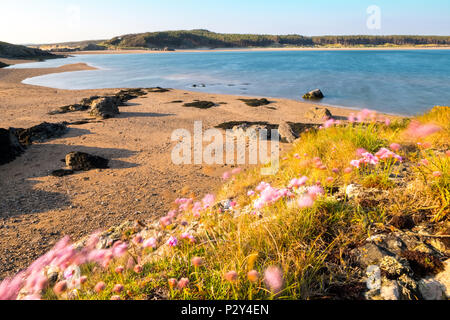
(51, 21)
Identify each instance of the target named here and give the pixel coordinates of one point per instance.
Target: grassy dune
(285, 236)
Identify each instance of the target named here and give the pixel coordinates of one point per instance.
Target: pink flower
(197, 262)
(330, 179)
(60, 287)
(447, 153)
(187, 236)
(360, 152)
(196, 209)
(306, 202)
(138, 268)
(172, 242)
(351, 118)
(348, 170)
(236, 171)
(437, 174)
(418, 130)
(231, 276)
(297, 156)
(297, 183)
(150, 243)
(315, 191)
(183, 283)
(395, 147)
(83, 279)
(173, 283)
(165, 221)
(116, 298)
(226, 175)
(424, 162)
(208, 201)
(119, 269)
(253, 276)
(99, 287)
(172, 214)
(118, 288)
(251, 193)
(335, 170)
(119, 249)
(355, 163)
(138, 239)
(273, 278)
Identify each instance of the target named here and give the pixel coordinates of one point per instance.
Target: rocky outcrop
(41, 132)
(10, 147)
(80, 161)
(286, 132)
(317, 113)
(105, 107)
(313, 95)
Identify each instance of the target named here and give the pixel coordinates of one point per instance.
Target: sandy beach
(36, 209)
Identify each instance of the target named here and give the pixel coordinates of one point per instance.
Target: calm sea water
(399, 82)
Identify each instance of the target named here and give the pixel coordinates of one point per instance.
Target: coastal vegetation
(194, 39)
(293, 235)
(12, 51)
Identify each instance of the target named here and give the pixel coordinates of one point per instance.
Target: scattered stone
(10, 147)
(317, 113)
(286, 132)
(104, 108)
(3, 65)
(200, 104)
(80, 161)
(177, 101)
(431, 289)
(373, 273)
(314, 95)
(40, 133)
(255, 102)
(370, 254)
(390, 291)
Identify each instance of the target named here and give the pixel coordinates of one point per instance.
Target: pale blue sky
(46, 21)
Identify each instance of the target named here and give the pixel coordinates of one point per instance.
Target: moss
(255, 102)
(423, 264)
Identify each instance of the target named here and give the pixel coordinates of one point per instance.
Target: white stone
(373, 277)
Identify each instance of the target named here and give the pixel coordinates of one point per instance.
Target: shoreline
(142, 51)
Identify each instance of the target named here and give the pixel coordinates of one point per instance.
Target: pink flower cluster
(61, 257)
(367, 115)
(370, 159)
(418, 130)
(269, 195)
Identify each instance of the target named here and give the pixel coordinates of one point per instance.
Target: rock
(316, 113)
(370, 254)
(3, 65)
(315, 95)
(200, 104)
(80, 161)
(444, 277)
(431, 289)
(373, 273)
(10, 147)
(393, 268)
(40, 133)
(128, 94)
(157, 90)
(286, 132)
(255, 102)
(104, 108)
(390, 291)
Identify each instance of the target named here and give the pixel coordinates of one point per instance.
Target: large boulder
(286, 132)
(10, 146)
(80, 161)
(313, 95)
(317, 113)
(105, 107)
